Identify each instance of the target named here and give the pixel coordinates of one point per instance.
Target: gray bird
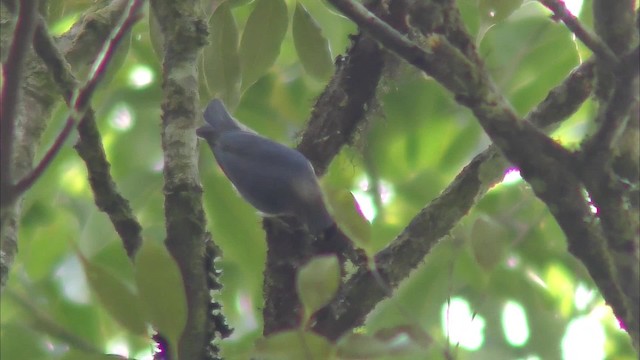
(273, 178)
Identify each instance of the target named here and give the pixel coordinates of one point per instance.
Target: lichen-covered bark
(185, 32)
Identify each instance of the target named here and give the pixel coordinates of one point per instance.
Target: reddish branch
(80, 101)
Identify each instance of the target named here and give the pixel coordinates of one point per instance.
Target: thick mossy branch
(362, 292)
(184, 30)
(549, 168)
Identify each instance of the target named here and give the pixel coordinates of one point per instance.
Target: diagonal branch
(89, 146)
(362, 292)
(545, 165)
(80, 45)
(81, 97)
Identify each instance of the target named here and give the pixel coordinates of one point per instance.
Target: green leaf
(221, 60)
(20, 342)
(261, 39)
(161, 290)
(318, 282)
(294, 345)
(38, 263)
(517, 52)
(312, 47)
(488, 242)
(118, 298)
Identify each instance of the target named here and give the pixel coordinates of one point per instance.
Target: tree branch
(549, 168)
(330, 127)
(612, 119)
(81, 45)
(609, 192)
(12, 71)
(362, 292)
(545, 165)
(614, 22)
(81, 97)
(89, 146)
(184, 30)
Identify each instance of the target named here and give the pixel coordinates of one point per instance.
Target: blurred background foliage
(501, 286)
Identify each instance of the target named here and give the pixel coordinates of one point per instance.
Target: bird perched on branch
(273, 178)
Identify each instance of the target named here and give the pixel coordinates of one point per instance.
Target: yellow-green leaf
(261, 39)
(347, 213)
(312, 47)
(161, 290)
(318, 282)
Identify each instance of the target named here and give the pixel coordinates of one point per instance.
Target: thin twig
(591, 40)
(12, 73)
(99, 67)
(82, 96)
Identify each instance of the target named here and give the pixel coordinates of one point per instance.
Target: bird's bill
(206, 131)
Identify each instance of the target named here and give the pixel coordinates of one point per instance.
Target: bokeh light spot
(461, 325)
(514, 324)
(141, 76)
